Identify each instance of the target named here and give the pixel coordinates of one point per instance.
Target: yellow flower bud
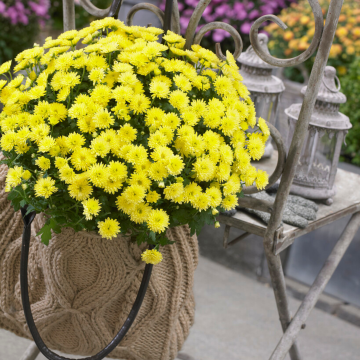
(26, 175)
(217, 225)
(32, 75)
(161, 184)
(24, 186)
(215, 212)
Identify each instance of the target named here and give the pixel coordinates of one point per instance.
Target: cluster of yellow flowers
(128, 130)
(300, 20)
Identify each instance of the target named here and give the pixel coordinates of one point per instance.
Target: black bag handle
(28, 219)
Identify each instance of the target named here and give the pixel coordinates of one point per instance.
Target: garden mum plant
(127, 135)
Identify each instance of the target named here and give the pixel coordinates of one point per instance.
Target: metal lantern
(316, 169)
(265, 88)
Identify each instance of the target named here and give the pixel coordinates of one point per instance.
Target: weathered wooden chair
(277, 237)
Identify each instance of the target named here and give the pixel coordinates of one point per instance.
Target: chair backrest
(322, 41)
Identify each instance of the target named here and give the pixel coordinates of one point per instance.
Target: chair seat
(345, 202)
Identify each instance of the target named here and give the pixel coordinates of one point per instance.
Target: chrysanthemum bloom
(91, 208)
(151, 256)
(43, 163)
(45, 187)
(109, 228)
(158, 221)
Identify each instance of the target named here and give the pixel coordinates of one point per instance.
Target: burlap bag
(82, 288)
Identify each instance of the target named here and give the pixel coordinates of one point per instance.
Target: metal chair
(276, 236)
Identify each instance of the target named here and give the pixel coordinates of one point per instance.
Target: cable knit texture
(82, 288)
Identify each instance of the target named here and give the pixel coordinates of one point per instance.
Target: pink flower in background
(239, 14)
(20, 12)
(40, 9)
(2, 7)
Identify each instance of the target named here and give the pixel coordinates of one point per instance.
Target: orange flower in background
(288, 35)
(301, 28)
(356, 30)
(342, 70)
(350, 50)
(335, 50)
(304, 20)
(342, 31)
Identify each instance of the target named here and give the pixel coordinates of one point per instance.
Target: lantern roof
(251, 58)
(325, 119)
(256, 72)
(326, 111)
(329, 91)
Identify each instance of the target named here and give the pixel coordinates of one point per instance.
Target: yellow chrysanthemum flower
(45, 187)
(98, 174)
(140, 213)
(92, 208)
(263, 127)
(5, 67)
(229, 202)
(174, 191)
(139, 104)
(82, 158)
(43, 163)
(134, 194)
(109, 228)
(80, 189)
(152, 197)
(158, 221)
(256, 146)
(117, 170)
(204, 169)
(178, 99)
(14, 176)
(151, 256)
(262, 179)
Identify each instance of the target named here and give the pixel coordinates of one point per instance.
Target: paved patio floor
(236, 319)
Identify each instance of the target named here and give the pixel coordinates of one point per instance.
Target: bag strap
(28, 219)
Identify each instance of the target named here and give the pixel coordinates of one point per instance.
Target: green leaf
(152, 236)
(13, 195)
(45, 231)
(30, 208)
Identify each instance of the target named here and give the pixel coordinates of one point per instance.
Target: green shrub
(350, 86)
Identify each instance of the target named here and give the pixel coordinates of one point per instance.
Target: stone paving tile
(236, 319)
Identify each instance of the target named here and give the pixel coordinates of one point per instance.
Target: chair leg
(279, 287)
(317, 288)
(31, 352)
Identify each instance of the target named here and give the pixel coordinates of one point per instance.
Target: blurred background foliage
(82, 18)
(344, 56)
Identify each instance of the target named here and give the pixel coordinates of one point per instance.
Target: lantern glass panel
(317, 155)
(266, 106)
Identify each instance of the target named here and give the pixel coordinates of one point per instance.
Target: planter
(82, 288)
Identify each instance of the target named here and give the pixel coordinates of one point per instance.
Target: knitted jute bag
(82, 288)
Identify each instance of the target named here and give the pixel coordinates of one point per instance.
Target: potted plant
(124, 144)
